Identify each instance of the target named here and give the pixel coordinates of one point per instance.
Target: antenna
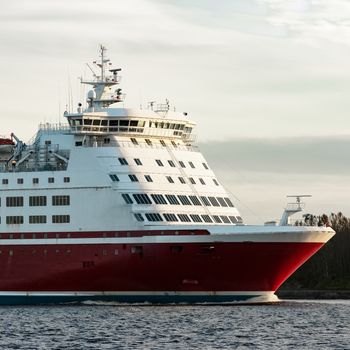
(298, 196)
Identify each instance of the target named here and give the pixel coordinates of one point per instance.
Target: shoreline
(313, 294)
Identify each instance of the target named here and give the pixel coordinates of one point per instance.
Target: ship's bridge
(132, 121)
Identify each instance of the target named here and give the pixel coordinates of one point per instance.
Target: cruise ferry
(119, 204)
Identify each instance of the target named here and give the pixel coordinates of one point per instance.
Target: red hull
(229, 266)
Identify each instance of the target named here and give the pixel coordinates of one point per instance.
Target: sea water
(285, 325)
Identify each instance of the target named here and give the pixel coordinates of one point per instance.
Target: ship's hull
(175, 268)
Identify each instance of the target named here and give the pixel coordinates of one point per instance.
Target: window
(205, 201)
(51, 180)
(141, 198)
(114, 177)
(127, 198)
(14, 220)
(159, 162)
(148, 178)
(191, 165)
(233, 219)
(172, 199)
(170, 217)
(214, 202)
(134, 141)
(195, 200)
(196, 218)
(205, 166)
(170, 179)
(5, 181)
(35, 180)
(217, 218)
(133, 178)
(215, 182)
(182, 164)
(240, 220)
(123, 161)
(37, 201)
(182, 180)
(184, 200)
(158, 199)
(153, 217)
(20, 181)
(225, 219)
(139, 217)
(60, 219)
(14, 201)
(66, 179)
(171, 163)
(228, 201)
(201, 181)
(37, 219)
(138, 161)
(222, 202)
(192, 181)
(174, 144)
(162, 143)
(149, 142)
(60, 200)
(184, 217)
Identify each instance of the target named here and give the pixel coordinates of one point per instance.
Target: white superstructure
(130, 168)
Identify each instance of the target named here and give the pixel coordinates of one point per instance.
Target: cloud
(304, 155)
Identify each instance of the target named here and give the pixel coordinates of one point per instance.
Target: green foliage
(329, 268)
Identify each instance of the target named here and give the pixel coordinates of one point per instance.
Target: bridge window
(60, 200)
(233, 219)
(170, 217)
(149, 142)
(148, 178)
(127, 198)
(214, 202)
(139, 217)
(184, 217)
(153, 217)
(192, 181)
(217, 218)
(201, 181)
(14, 201)
(191, 165)
(182, 180)
(172, 199)
(184, 200)
(37, 219)
(206, 218)
(195, 200)
(123, 161)
(205, 166)
(205, 201)
(137, 161)
(222, 202)
(141, 198)
(228, 201)
(37, 201)
(14, 220)
(134, 141)
(215, 182)
(159, 162)
(182, 164)
(196, 218)
(133, 178)
(225, 219)
(171, 163)
(158, 199)
(114, 177)
(170, 179)
(60, 219)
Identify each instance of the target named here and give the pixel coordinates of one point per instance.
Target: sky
(267, 81)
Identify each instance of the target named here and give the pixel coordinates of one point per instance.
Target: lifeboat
(6, 145)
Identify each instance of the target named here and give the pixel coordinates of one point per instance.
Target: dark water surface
(290, 324)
